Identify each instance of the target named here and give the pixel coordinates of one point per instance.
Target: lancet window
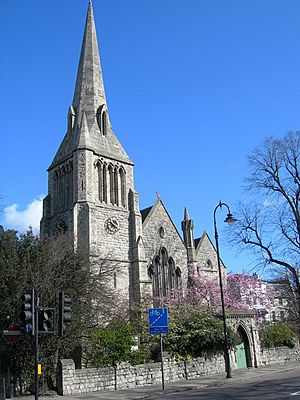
(104, 123)
(63, 187)
(164, 275)
(123, 187)
(111, 183)
(104, 184)
(102, 119)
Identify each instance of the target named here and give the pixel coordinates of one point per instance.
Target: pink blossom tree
(241, 292)
(249, 291)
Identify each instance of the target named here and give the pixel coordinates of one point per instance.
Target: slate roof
(145, 212)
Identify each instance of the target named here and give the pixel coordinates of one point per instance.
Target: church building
(92, 198)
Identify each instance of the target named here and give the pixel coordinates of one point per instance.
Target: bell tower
(91, 178)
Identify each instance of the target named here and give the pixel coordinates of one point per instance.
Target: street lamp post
(229, 219)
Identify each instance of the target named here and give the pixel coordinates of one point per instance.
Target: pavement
(146, 392)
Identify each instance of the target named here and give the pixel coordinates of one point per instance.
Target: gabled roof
(198, 242)
(147, 212)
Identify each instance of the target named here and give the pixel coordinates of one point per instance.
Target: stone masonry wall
(279, 355)
(75, 381)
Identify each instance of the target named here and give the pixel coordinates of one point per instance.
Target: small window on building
(115, 280)
(209, 264)
(104, 123)
(102, 119)
(178, 281)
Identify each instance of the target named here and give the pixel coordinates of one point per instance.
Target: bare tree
(270, 225)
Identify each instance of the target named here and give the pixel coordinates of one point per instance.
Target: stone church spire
(89, 101)
(89, 92)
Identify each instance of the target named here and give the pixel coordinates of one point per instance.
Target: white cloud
(20, 220)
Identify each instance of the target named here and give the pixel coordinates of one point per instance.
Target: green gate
(240, 354)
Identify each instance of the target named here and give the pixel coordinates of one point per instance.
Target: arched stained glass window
(164, 275)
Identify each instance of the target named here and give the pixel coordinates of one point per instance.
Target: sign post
(158, 324)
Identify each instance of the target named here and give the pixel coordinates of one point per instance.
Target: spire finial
(186, 214)
(158, 194)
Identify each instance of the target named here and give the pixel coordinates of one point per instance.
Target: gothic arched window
(104, 123)
(100, 181)
(178, 280)
(157, 277)
(164, 271)
(116, 187)
(102, 119)
(111, 184)
(123, 187)
(164, 275)
(171, 274)
(104, 183)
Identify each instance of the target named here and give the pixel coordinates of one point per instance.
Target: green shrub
(277, 335)
(192, 333)
(112, 345)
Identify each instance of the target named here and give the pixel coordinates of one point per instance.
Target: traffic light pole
(36, 347)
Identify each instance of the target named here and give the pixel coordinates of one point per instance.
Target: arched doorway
(242, 349)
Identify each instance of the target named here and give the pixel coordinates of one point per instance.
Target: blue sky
(192, 87)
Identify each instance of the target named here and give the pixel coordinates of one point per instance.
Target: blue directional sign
(158, 320)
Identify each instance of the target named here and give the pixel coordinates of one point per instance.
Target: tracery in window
(164, 275)
(111, 182)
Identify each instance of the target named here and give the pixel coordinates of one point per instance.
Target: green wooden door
(240, 354)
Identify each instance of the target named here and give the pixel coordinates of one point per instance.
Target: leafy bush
(277, 335)
(192, 332)
(113, 345)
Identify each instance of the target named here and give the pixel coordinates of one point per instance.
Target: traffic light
(27, 311)
(46, 320)
(64, 312)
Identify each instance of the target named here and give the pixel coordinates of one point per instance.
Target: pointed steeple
(89, 90)
(89, 97)
(186, 214)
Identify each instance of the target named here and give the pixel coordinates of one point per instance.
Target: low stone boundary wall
(125, 376)
(279, 355)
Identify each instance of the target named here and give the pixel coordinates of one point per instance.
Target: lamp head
(230, 219)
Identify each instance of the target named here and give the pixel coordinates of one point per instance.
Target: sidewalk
(145, 392)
